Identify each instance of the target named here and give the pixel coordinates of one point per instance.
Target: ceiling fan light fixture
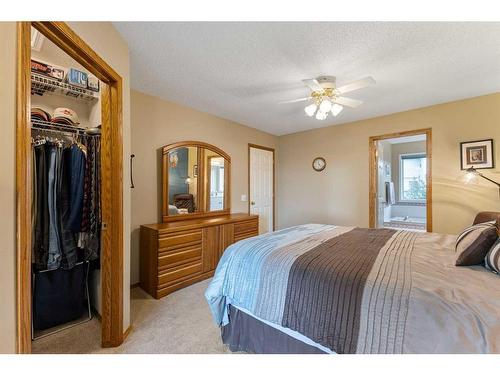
(326, 98)
(336, 109)
(325, 106)
(320, 115)
(310, 110)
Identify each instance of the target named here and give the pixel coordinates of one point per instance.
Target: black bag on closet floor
(59, 296)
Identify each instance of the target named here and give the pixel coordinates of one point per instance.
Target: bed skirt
(244, 333)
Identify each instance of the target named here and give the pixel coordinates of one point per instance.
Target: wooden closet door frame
(373, 175)
(111, 180)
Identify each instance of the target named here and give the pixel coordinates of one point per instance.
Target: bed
(329, 289)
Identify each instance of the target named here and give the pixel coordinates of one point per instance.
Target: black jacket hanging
(41, 229)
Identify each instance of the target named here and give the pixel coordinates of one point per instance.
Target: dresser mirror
(195, 181)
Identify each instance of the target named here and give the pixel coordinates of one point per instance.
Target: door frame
(373, 175)
(252, 145)
(111, 177)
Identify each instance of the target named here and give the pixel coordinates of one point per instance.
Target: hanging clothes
(53, 190)
(75, 167)
(69, 249)
(34, 198)
(41, 225)
(90, 237)
(66, 209)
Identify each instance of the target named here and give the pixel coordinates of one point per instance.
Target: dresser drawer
(180, 253)
(173, 258)
(245, 229)
(177, 274)
(246, 226)
(179, 240)
(245, 235)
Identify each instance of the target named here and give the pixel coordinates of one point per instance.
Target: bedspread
(357, 290)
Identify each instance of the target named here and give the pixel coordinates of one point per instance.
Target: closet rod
(59, 128)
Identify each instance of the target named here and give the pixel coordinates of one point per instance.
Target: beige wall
(7, 187)
(156, 122)
(106, 41)
(339, 195)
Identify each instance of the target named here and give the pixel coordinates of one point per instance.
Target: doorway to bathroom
(400, 181)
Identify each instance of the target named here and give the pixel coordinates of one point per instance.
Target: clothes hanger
(82, 147)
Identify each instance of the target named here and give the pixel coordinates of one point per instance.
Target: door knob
(252, 203)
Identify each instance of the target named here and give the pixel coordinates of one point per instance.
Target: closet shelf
(41, 85)
(46, 125)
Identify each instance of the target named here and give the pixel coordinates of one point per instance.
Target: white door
(261, 187)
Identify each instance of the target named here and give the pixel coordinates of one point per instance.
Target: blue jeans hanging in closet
(69, 250)
(54, 258)
(76, 164)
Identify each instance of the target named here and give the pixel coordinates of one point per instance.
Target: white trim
(37, 39)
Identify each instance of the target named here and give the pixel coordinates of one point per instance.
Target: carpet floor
(178, 323)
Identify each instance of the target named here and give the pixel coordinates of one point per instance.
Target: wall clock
(319, 164)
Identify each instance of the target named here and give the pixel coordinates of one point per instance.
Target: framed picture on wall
(477, 154)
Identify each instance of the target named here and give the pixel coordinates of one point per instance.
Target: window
(413, 169)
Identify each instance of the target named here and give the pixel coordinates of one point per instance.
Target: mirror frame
(202, 209)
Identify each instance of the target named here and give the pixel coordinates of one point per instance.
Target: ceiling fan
(328, 98)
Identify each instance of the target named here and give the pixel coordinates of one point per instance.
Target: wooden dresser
(177, 254)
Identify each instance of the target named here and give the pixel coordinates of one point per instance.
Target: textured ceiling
(241, 71)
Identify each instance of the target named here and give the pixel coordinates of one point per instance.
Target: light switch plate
(243, 197)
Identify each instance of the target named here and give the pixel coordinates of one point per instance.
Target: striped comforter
(356, 290)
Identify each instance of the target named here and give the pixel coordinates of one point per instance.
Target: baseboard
(127, 332)
(96, 315)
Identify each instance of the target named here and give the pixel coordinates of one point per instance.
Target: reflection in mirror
(216, 181)
(195, 181)
(182, 180)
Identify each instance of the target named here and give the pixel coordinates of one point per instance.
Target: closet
(66, 219)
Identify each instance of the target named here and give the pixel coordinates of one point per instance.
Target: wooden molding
(251, 145)
(428, 193)
(208, 146)
(373, 179)
(195, 215)
(373, 175)
(67, 40)
(127, 331)
(23, 188)
(111, 178)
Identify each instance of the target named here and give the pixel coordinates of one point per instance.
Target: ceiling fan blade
(294, 100)
(356, 85)
(313, 85)
(348, 102)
